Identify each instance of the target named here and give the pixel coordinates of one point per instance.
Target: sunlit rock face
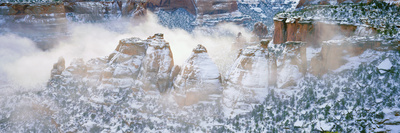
(247, 80)
(198, 80)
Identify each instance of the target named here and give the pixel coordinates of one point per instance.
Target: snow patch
(385, 65)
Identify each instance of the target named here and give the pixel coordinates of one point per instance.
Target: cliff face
(292, 65)
(24, 9)
(196, 7)
(331, 56)
(295, 29)
(247, 80)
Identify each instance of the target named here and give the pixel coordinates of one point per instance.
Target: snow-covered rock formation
(157, 65)
(198, 80)
(247, 80)
(58, 67)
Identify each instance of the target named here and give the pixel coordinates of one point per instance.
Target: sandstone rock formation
(76, 68)
(198, 80)
(58, 67)
(247, 80)
(127, 57)
(156, 65)
(141, 64)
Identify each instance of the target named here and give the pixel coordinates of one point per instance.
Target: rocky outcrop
(156, 65)
(247, 80)
(260, 31)
(313, 32)
(127, 57)
(149, 61)
(141, 64)
(198, 80)
(58, 67)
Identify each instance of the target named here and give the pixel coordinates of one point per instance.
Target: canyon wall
(199, 7)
